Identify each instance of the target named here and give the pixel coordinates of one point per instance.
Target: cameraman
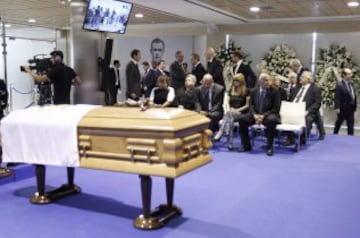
(61, 76)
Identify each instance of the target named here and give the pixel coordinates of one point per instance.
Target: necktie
(351, 92)
(262, 100)
(299, 95)
(207, 99)
(117, 82)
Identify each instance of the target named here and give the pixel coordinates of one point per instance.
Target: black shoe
(244, 148)
(230, 147)
(270, 152)
(321, 137)
(288, 142)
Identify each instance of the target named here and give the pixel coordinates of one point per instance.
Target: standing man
(133, 76)
(149, 79)
(4, 172)
(345, 102)
(61, 76)
(157, 49)
(198, 69)
(177, 72)
(214, 66)
(112, 84)
(264, 109)
(244, 68)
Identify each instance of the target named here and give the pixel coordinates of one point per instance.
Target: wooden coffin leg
(40, 197)
(43, 197)
(146, 221)
(169, 210)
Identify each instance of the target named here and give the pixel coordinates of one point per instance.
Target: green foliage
(329, 65)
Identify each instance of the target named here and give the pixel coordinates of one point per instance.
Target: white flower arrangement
(224, 54)
(329, 64)
(277, 60)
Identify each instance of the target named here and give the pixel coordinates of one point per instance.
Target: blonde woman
(236, 104)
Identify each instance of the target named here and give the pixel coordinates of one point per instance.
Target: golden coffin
(156, 142)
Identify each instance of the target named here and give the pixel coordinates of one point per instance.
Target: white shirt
(306, 87)
(170, 96)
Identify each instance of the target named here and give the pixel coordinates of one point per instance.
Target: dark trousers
(215, 118)
(319, 123)
(270, 121)
(347, 115)
(110, 95)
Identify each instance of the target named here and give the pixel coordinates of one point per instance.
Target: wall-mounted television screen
(107, 16)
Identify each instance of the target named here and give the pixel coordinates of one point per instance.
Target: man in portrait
(157, 49)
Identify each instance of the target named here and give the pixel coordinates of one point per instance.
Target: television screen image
(107, 16)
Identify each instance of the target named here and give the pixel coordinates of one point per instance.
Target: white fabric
(43, 135)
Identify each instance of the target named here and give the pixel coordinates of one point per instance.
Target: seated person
(264, 109)
(162, 95)
(188, 97)
(236, 105)
(276, 83)
(309, 93)
(211, 100)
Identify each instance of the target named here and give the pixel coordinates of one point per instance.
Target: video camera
(40, 63)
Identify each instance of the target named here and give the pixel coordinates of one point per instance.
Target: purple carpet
(312, 193)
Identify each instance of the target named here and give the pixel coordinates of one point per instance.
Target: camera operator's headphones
(58, 55)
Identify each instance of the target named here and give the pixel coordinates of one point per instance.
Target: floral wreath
(330, 62)
(277, 61)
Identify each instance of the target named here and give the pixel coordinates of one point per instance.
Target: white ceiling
(53, 14)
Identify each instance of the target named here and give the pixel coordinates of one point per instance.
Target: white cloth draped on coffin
(43, 135)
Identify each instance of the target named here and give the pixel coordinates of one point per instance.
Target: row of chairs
(292, 120)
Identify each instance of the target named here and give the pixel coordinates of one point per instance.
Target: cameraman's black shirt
(61, 76)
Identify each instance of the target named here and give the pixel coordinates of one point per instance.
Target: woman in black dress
(236, 105)
(188, 97)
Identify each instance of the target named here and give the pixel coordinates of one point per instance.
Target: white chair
(293, 119)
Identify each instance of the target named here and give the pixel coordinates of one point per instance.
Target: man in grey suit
(211, 101)
(309, 93)
(133, 76)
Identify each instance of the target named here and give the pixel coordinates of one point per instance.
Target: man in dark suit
(264, 109)
(211, 101)
(112, 83)
(160, 69)
(133, 76)
(4, 172)
(149, 79)
(198, 69)
(309, 93)
(177, 72)
(244, 68)
(214, 67)
(345, 102)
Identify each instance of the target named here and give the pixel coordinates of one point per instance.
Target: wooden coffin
(156, 142)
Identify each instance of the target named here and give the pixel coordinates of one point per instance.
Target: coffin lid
(135, 118)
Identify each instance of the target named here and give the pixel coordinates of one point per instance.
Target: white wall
(19, 51)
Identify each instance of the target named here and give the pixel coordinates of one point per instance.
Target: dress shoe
(243, 149)
(230, 146)
(321, 137)
(288, 142)
(218, 135)
(270, 152)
